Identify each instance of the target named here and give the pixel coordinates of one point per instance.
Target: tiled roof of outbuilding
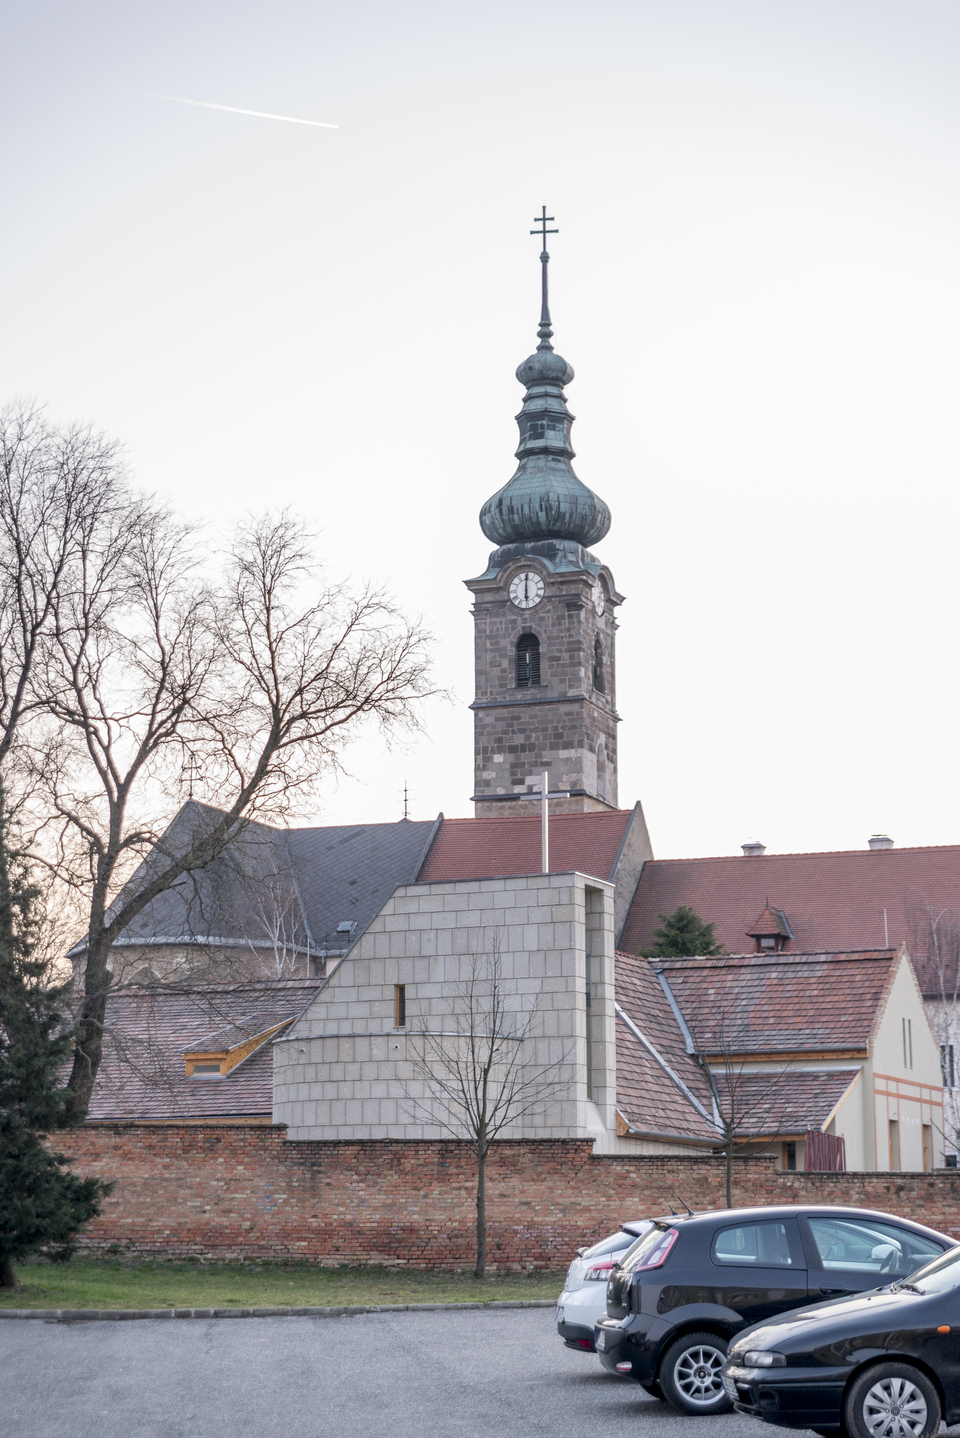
(832, 901)
(781, 1003)
(143, 1074)
(788, 1102)
(647, 1097)
(494, 848)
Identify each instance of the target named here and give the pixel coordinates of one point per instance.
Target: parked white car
(584, 1296)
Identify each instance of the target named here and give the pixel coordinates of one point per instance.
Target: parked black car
(690, 1283)
(885, 1363)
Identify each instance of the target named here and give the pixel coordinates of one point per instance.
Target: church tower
(544, 614)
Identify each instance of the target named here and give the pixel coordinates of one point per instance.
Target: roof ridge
(803, 854)
(774, 961)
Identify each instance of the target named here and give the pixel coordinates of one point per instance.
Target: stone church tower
(544, 616)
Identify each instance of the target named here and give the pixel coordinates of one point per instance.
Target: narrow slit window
(598, 683)
(528, 661)
(400, 1006)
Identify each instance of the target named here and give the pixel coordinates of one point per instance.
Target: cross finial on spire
(546, 329)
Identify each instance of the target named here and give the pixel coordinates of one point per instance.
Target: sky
(755, 280)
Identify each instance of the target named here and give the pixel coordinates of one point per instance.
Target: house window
(927, 1147)
(948, 1064)
(528, 661)
(400, 1006)
(907, 1026)
(206, 1071)
(598, 666)
(894, 1128)
(790, 1156)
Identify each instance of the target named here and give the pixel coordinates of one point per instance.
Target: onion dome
(545, 499)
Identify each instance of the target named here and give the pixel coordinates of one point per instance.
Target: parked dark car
(690, 1283)
(885, 1363)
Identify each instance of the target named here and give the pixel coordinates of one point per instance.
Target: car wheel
(892, 1400)
(690, 1374)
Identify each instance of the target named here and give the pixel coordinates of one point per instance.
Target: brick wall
(240, 1192)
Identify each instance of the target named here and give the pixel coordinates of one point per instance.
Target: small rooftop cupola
(753, 849)
(880, 841)
(770, 931)
(545, 500)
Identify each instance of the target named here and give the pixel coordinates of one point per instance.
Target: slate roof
(782, 1003)
(325, 874)
(495, 848)
(832, 901)
(143, 1075)
(647, 1096)
(788, 1103)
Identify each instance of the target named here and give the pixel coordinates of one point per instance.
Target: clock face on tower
(526, 589)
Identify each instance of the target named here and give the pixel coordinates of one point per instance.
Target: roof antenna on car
(686, 1206)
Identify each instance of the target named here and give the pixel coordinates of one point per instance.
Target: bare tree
(477, 1075)
(257, 688)
(743, 1096)
(934, 947)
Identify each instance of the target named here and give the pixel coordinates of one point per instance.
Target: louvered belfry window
(528, 661)
(598, 666)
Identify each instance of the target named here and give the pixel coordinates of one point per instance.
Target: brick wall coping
(95, 1315)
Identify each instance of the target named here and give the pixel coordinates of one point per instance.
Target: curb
(99, 1315)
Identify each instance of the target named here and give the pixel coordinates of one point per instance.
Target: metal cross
(543, 220)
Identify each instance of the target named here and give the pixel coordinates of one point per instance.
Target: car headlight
(763, 1358)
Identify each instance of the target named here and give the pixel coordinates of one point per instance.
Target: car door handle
(834, 1292)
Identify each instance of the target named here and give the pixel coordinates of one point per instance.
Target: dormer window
(528, 661)
(771, 931)
(216, 1056)
(598, 683)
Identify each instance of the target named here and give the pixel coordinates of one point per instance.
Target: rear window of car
(615, 1243)
(757, 1245)
(865, 1245)
(650, 1251)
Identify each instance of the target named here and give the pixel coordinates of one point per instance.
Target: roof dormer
(770, 931)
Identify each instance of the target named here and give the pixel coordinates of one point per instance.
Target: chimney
(880, 841)
(753, 849)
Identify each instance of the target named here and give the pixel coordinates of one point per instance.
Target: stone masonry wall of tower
(544, 620)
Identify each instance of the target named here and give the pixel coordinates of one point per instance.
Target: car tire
(690, 1374)
(892, 1390)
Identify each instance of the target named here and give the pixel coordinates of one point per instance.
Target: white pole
(545, 821)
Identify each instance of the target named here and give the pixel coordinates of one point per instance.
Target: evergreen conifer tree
(683, 934)
(42, 1204)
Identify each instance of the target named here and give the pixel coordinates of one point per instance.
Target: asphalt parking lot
(401, 1375)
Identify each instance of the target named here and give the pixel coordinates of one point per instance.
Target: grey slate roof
(319, 877)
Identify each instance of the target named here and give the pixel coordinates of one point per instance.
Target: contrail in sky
(259, 114)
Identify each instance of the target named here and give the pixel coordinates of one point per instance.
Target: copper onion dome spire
(545, 499)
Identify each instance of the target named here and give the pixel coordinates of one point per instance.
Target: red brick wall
(241, 1192)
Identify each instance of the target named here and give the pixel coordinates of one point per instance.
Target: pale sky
(756, 281)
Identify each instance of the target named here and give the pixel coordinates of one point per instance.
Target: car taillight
(657, 1255)
(600, 1271)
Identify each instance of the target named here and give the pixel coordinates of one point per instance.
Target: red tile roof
(647, 1097)
(495, 848)
(781, 1003)
(785, 1102)
(147, 1031)
(832, 901)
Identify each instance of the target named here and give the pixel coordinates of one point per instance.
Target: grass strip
(114, 1284)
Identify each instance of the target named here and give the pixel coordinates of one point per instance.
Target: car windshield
(935, 1277)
